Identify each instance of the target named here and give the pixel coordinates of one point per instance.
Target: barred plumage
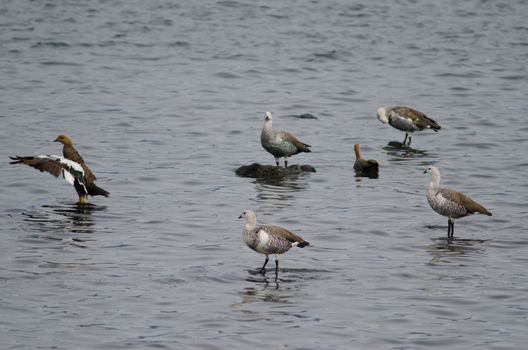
(406, 119)
(450, 203)
(280, 143)
(268, 239)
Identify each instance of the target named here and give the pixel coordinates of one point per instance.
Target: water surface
(165, 100)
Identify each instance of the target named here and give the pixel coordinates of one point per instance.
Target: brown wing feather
(421, 120)
(51, 166)
(473, 206)
(282, 232)
(71, 153)
(302, 147)
(463, 200)
(410, 113)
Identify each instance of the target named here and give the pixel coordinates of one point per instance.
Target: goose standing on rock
(406, 119)
(71, 167)
(364, 167)
(280, 143)
(450, 203)
(268, 239)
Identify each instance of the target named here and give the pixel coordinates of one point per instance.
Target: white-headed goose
(450, 203)
(406, 119)
(268, 239)
(280, 143)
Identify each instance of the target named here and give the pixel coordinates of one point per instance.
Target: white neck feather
(251, 222)
(268, 125)
(435, 179)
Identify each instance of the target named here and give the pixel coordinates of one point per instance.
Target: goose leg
(409, 143)
(276, 266)
(277, 161)
(450, 228)
(405, 139)
(263, 268)
(285, 162)
(83, 200)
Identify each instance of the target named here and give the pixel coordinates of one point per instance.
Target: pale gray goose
(280, 143)
(268, 239)
(364, 167)
(450, 203)
(406, 119)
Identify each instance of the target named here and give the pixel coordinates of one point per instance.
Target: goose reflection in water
(291, 183)
(279, 192)
(267, 293)
(254, 297)
(397, 151)
(446, 248)
(53, 221)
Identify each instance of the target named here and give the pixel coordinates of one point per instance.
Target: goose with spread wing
(70, 166)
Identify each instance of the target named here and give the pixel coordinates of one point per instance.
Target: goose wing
(464, 201)
(419, 119)
(56, 166)
(301, 146)
(71, 153)
(283, 233)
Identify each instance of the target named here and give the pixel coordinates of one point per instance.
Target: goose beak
(425, 171)
(56, 140)
(240, 217)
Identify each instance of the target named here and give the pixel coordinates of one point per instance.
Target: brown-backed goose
(450, 203)
(268, 239)
(364, 167)
(71, 167)
(280, 143)
(406, 119)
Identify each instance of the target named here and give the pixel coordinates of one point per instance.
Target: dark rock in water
(302, 116)
(307, 116)
(257, 170)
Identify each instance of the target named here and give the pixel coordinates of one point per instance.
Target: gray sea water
(165, 99)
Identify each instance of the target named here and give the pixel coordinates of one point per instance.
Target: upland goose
(364, 167)
(450, 203)
(406, 119)
(280, 143)
(268, 239)
(71, 167)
